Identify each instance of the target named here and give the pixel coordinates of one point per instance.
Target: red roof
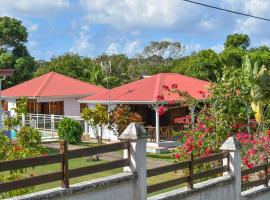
(148, 89)
(52, 84)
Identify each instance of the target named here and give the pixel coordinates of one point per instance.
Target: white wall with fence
(132, 183)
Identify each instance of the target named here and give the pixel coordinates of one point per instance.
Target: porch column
(157, 123)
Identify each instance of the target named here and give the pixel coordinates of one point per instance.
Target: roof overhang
(128, 102)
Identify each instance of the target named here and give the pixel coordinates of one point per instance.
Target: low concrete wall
(116, 187)
(258, 193)
(222, 188)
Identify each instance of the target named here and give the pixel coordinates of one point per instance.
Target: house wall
(71, 107)
(11, 105)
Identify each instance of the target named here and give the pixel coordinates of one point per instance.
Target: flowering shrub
(226, 114)
(122, 116)
(8, 151)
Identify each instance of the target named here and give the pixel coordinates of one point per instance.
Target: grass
(82, 162)
(161, 156)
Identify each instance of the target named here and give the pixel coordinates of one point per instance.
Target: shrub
(70, 130)
(29, 137)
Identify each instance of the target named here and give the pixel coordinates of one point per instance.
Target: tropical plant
(97, 118)
(29, 137)
(122, 116)
(70, 130)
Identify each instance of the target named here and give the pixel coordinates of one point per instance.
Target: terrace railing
(48, 123)
(64, 174)
(189, 166)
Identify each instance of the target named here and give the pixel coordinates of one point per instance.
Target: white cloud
(129, 48)
(179, 16)
(31, 7)
(83, 44)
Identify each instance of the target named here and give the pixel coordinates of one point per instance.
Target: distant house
(142, 96)
(51, 93)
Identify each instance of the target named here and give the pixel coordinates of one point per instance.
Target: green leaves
(70, 130)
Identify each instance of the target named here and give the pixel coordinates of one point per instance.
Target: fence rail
(64, 173)
(189, 165)
(261, 181)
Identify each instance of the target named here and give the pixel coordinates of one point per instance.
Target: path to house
(151, 162)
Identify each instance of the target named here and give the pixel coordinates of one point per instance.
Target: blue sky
(93, 27)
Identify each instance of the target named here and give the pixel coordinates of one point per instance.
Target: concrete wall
(221, 188)
(117, 187)
(257, 193)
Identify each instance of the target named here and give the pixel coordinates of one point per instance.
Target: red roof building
(51, 93)
(51, 85)
(147, 92)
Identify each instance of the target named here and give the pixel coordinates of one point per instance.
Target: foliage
(205, 65)
(13, 51)
(11, 123)
(28, 146)
(29, 137)
(22, 106)
(5, 145)
(122, 116)
(237, 41)
(70, 130)
(97, 118)
(163, 49)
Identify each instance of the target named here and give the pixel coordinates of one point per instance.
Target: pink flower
(160, 97)
(165, 87)
(174, 86)
(162, 110)
(207, 151)
(177, 156)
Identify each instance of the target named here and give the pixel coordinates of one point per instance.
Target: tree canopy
(156, 57)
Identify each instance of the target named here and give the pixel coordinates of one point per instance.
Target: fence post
(64, 164)
(137, 136)
(191, 164)
(233, 147)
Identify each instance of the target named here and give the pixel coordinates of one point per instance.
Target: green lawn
(82, 162)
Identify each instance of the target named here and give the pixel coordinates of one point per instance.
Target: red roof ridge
(44, 84)
(158, 86)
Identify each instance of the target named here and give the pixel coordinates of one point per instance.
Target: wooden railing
(261, 181)
(64, 174)
(189, 165)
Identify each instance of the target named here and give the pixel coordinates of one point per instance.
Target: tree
(97, 118)
(118, 72)
(232, 57)
(12, 33)
(241, 41)
(163, 49)
(204, 65)
(13, 51)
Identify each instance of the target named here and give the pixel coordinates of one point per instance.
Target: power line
(227, 10)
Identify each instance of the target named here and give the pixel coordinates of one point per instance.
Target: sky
(93, 27)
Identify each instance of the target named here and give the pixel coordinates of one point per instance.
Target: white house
(51, 93)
